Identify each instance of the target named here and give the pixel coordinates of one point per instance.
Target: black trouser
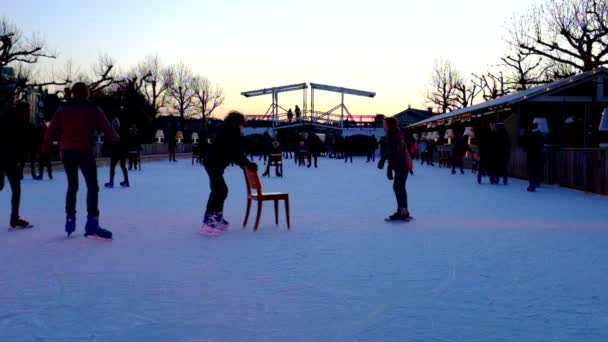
(13, 173)
(44, 162)
(133, 160)
(347, 156)
(85, 161)
(457, 162)
(123, 165)
(371, 157)
(311, 157)
(219, 190)
(399, 188)
(172, 153)
(535, 172)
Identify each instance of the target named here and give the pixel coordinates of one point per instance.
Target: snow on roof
(514, 98)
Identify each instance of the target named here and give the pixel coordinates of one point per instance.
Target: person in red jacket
(74, 125)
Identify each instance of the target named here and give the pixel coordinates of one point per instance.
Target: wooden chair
(254, 193)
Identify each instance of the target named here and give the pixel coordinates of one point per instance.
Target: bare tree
(208, 97)
(22, 54)
(566, 32)
(525, 70)
(16, 48)
(465, 92)
(441, 90)
(492, 86)
(157, 81)
(179, 79)
(104, 75)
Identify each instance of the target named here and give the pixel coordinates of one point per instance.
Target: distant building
(411, 116)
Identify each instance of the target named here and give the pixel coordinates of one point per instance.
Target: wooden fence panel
(582, 169)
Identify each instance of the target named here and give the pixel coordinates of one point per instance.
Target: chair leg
(287, 212)
(257, 219)
(247, 213)
(276, 212)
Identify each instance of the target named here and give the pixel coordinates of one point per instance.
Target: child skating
(400, 163)
(226, 149)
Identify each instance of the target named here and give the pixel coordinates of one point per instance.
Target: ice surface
(478, 263)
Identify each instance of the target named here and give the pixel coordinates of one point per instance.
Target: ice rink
(478, 263)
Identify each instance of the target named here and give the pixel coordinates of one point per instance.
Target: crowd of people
(75, 123)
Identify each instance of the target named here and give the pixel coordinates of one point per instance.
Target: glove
(252, 166)
(381, 164)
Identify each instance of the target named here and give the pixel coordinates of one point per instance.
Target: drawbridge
(333, 118)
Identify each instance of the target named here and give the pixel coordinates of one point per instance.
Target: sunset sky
(386, 46)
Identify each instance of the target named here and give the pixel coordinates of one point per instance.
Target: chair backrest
(254, 186)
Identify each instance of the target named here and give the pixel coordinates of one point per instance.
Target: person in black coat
(371, 149)
(314, 145)
(459, 151)
(172, 145)
(503, 150)
(227, 148)
(120, 153)
(485, 152)
(534, 145)
(44, 159)
(134, 147)
(13, 132)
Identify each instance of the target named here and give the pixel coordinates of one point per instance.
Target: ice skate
(20, 224)
(209, 227)
(109, 185)
(125, 184)
(400, 216)
(220, 222)
(93, 230)
(70, 224)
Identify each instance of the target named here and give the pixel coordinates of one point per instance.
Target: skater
(226, 148)
(347, 149)
(134, 147)
(172, 144)
(302, 153)
(371, 149)
(74, 125)
(314, 145)
(459, 151)
(275, 158)
(534, 146)
(504, 154)
(484, 154)
(44, 159)
(120, 152)
(400, 162)
(13, 128)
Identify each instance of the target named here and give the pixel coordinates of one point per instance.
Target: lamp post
(436, 136)
(179, 136)
(160, 135)
(449, 135)
(195, 137)
(469, 132)
(542, 125)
